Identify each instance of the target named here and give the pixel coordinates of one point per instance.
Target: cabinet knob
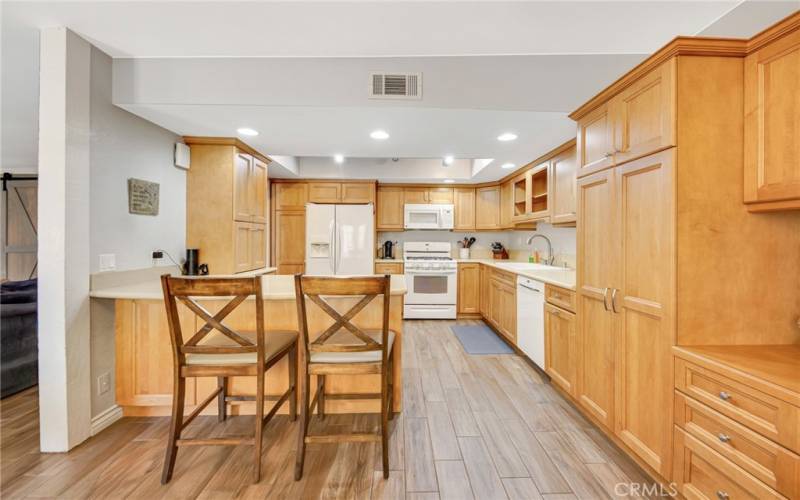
(722, 495)
(724, 437)
(724, 396)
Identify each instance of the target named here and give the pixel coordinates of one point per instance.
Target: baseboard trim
(105, 419)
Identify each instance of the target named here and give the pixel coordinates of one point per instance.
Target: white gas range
(431, 275)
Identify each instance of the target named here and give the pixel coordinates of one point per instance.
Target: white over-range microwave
(424, 216)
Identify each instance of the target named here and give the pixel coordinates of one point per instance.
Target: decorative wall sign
(142, 197)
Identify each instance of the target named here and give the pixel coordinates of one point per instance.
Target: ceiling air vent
(395, 85)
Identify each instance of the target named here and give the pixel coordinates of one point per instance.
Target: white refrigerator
(340, 239)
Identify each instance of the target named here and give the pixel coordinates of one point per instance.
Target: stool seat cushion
(341, 337)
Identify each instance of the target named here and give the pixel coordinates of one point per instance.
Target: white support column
(64, 142)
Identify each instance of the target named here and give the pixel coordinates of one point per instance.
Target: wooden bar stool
(351, 351)
(216, 350)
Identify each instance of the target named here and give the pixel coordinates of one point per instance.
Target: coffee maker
(388, 250)
(192, 266)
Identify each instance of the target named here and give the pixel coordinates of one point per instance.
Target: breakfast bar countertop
(275, 287)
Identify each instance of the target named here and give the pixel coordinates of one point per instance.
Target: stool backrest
(237, 289)
(367, 287)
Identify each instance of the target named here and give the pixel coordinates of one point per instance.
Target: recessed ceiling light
(507, 165)
(449, 181)
(448, 160)
(379, 134)
(246, 131)
(508, 136)
(338, 159)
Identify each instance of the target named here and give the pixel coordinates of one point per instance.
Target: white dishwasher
(530, 319)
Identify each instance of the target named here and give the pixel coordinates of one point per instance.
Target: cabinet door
(597, 255)
(559, 347)
(415, 195)
(772, 125)
(243, 187)
(390, 208)
(258, 246)
(644, 115)
(290, 195)
(464, 209)
(324, 192)
(495, 303)
(506, 205)
(388, 268)
(508, 312)
(290, 241)
(487, 208)
(594, 146)
(242, 247)
(258, 183)
(644, 307)
(469, 275)
(563, 184)
(484, 294)
(358, 192)
(440, 195)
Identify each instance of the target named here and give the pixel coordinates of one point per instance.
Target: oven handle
(412, 272)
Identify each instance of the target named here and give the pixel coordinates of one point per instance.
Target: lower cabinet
(484, 292)
(502, 304)
(388, 268)
(560, 347)
(290, 241)
(469, 290)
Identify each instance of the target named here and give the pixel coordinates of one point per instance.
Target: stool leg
(222, 410)
(293, 382)
(321, 398)
(174, 428)
(259, 425)
(302, 427)
(385, 421)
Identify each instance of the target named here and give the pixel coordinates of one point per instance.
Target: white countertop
(275, 287)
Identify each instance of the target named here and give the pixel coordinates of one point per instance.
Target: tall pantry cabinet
(667, 252)
(227, 205)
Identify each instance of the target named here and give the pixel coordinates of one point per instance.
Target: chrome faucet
(550, 257)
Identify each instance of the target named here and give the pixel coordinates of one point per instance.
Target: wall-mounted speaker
(183, 155)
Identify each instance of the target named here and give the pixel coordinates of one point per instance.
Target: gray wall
(123, 146)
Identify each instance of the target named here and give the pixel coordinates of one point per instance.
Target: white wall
(385, 169)
(123, 146)
(563, 240)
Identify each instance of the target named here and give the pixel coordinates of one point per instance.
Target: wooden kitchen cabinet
(596, 264)
(290, 195)
(560, 347)
(487, 208)
(538, 206)
(595, 141)
(644, 115)
(485, 275)
(506, 205)
(440, 196)
(358, 192)
(390, 208)
(290, 241)
(772, 126)
(416, 195)
(324, 192)
(388, 268)
(227, 204)
(502, 303)
(563, 172)
(464, 209)
(469, 280)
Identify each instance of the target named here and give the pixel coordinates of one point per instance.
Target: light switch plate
(108, 261)
(103, 383)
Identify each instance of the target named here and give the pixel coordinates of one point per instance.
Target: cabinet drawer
(503, 277)
(388, 268)
(767, 461)
(767, 415)
(560, 297)
(702, 473)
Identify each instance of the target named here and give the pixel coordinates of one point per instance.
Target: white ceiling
(519, 66)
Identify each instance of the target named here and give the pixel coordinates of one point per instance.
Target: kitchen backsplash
(562, 238)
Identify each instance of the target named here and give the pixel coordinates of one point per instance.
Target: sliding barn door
(20, 229)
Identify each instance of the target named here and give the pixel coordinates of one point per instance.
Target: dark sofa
(18, 340)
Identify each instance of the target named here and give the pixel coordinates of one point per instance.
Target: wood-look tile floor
(480, 427)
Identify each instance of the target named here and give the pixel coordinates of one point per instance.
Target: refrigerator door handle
(332, 248)
(338, 247)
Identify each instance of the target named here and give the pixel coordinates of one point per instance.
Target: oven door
(431, 287)
(422, 217)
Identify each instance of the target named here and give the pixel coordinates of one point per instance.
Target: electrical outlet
(108, 262)
(158, 254)
(103, 383)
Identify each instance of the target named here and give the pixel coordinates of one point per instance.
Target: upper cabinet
(390, 208)
(563, 190)
(487, 208)
(636, 122)
(425, 195)
(291, 195)
(772, 126)
(249, 189)
(464, 209)
(341, 192)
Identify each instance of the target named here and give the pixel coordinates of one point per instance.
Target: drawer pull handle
(722, 495)
(724, 396)
(724, 437)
